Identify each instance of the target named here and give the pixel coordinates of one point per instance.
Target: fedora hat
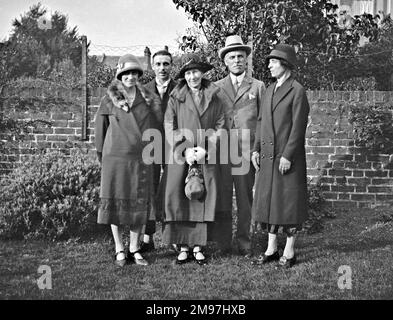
(233, 43)
(126, 63)
(284, 52)
(192, 61)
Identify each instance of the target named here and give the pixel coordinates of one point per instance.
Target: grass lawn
(361, 239)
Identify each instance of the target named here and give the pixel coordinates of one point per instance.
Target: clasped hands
(284, 166)
(194, 154)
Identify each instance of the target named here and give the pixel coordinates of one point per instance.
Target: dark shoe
(138, 261)
(146, 246)
(263, 258)
(181, 254)
(202, 261)
(287, 263)
(122, 262)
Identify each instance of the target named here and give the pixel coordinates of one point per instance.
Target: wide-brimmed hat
(192, 61)
(232, 43)
(284, 52)
(126, 63)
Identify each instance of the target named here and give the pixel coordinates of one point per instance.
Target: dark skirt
(288, 229)
(125, 195)
(185, 233)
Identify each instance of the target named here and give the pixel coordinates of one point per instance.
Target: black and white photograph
(196, 158)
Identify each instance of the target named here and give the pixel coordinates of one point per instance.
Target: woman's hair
(287, 65)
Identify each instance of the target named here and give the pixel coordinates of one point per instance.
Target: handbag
(194, 188)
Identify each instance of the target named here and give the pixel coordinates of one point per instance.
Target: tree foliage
(37, 43)
(324, 43)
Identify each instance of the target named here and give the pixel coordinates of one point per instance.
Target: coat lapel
(245, 86)
(281, 92)
(269, 110)
(228, 88)
(207, 97)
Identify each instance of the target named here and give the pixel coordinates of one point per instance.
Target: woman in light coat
(279, 157)
(193, 108)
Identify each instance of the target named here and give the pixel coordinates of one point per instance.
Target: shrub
(372, 127)
(317, 208)
(50, 196)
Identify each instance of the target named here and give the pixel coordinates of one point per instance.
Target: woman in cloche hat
(280, 200)
(126, 111)
(193, 108)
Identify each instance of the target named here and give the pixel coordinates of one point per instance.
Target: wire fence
(137, 50)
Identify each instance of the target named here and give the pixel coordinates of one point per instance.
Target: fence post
(148, 58)
(249, 60)
(84, 88)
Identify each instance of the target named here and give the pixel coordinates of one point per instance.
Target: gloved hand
(190, 155)
(200, 153)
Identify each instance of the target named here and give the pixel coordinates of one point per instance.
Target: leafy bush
(51, 196)
(317, 208)
(372, 127)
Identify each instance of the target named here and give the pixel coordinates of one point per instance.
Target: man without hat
(242, 97)
(162, 86)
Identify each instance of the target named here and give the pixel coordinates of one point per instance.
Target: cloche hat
(284, 52)
(126, 63)
(232, 43)
(192, 61)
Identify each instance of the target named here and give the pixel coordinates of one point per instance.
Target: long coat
(241, 112)
(282, 122)
(183, 114)
(125, 181)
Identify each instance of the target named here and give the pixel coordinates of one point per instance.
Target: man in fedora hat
(242, 98)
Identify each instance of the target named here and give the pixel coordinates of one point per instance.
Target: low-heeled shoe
(183, 261)
(201, 262)
(263, 258)
(131, 259)
(287, 263)
(122, 262)
(146, 246)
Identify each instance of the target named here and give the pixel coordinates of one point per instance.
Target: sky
(114, 23)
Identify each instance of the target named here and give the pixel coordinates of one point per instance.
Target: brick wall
(350, 176)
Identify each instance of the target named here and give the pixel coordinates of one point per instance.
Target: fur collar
(117, 94)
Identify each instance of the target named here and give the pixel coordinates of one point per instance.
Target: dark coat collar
(282, 91)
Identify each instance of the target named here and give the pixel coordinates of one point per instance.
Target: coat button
(271, 157)
(271, 143)
(263, 142)
(262, 156)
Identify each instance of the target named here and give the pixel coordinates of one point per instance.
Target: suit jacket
(151, 86)
(242, 108)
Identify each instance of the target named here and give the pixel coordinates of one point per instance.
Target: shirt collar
(283, 79)
(165, 84)
(238, 79)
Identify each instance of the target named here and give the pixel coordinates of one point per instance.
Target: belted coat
(282, 122)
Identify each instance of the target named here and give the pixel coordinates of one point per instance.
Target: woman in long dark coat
(124, 114)
(193, 107)
(279, 156)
